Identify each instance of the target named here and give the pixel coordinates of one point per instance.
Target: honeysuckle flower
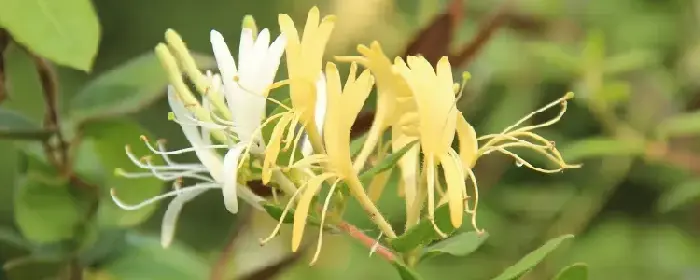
(437, 117)
(396, 108)
(212, 171)
(304, 62)
(344, 103)
(245, 87)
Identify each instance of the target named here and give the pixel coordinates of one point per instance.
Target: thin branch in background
(483, 35)
(219, 269)
(58, 155)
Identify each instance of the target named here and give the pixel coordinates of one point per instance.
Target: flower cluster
(301, 150)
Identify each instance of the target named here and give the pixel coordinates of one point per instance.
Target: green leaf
(12, 237)
(108, 139)
(125, 89)
(356, 144)
(387, 163)
(613, 93)
(13, 125)
(45, 209)
(461, 244)
(532, 259)
(557, 56)
(683, 124)
(629, 61)
(424, 233)
(143, 258)
(66, 32)
(32, 268)
(679, 196)
(577, 271)
(601, 146)
(406, 272)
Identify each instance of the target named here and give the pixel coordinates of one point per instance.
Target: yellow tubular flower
(394, 96)
(395, 108)
(307, 86)
(304, 61)
(344, 103)
(437, 117)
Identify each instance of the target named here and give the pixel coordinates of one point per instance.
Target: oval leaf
(683, 124)
(461, 244)
(679, 196)
(66, 32)
(601, 146)
(532, 259)
(126, 88)
(45, 209)
(144, 258)
(577, 271)
(16, 126)
(108, 139)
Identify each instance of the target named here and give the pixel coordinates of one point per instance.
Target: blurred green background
(634, 65)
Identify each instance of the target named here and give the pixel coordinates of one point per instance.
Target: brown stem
(57, 154)
(367, 241)
(484, 33)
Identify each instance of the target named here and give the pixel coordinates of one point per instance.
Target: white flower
(244, 89)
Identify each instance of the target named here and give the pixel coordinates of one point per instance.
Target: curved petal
(167, 232)
(230, 178)
(224, 59)
(319, 113)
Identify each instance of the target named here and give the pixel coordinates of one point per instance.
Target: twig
(49, 84)
(218, 272)
(483, 35)
(367, 241)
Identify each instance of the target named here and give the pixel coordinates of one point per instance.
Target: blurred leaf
(554, 54)
(45, 209)
(356, 144)
(66, 32)
(629, 61)
(406, 272)
(387, 163)
(108, 243)
(109, 138)
(424, 232)
(594, 49)
(12, 237)
(126, 88)
(532, 259)
(31, 268)
(613, 93)
(577, 271)
(679, 196)
(682, 124)
(601, 146)
(13, 125)
(144, 258)
(460, 245)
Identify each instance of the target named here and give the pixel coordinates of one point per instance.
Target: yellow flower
(344, 103)
(307, 86)
(437, 118)
(395, 108)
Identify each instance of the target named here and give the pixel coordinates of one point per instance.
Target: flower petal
(224, 59)
(319, 113)
(172, 213)
(245, 50)
(230, 178)
(455, 184)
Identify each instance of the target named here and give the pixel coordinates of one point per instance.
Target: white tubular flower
(212, 171)
(246, 85)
